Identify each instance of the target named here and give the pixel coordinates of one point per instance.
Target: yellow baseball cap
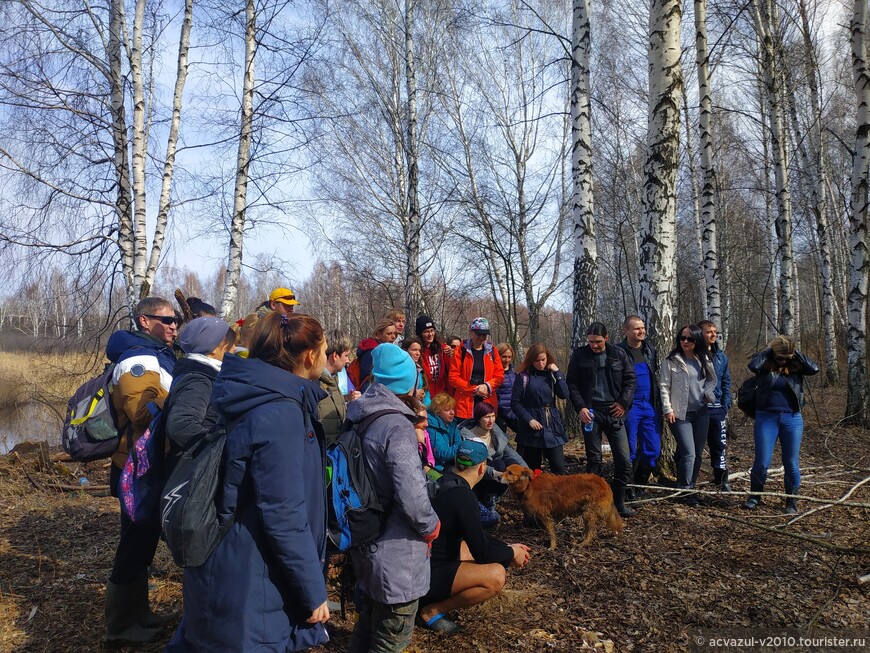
(283, 295)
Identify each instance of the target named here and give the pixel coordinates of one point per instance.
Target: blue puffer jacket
(445, 439)
(264, 579)
(504, 392)
(537, 400)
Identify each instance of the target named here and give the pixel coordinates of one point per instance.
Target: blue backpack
(356, 516)
(142, 478)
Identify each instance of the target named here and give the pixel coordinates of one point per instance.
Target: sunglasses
(687, 339)
(165, 319)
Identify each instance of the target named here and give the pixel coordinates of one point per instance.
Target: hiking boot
(690, 500)
(720, 480)
(791, 502)
(144, 615)
(754, 500)
(619, 501)
(122, 619)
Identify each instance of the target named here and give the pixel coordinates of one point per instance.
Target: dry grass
(49, 379)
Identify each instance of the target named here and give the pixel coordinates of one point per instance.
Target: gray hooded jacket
(395, 567)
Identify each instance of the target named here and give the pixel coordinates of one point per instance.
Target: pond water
(31, 423)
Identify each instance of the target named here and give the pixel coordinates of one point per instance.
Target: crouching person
(467, 565)
(392, 571)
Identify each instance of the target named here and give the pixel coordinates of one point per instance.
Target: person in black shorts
(467, 564)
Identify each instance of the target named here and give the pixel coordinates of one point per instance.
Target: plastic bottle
(83, 481)
(588, 427)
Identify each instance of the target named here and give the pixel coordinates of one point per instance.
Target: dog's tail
(613, 521)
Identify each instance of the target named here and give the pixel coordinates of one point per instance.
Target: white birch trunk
(171, 145)
(413, 283)
(582, 200)
(124, 203)
(237, 228)
(858, 399)
(658, 230)
(817, 172)
(140, 240)
(764, 26)
(709, 245)
(698, 249)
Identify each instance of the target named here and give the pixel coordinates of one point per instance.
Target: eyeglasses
(687, 339)
(165, 319)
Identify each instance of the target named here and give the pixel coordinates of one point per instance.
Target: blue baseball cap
(472, 451)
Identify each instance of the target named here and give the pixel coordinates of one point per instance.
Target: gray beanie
(202, 335)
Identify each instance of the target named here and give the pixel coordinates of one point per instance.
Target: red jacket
(460, 375)
(443, 355)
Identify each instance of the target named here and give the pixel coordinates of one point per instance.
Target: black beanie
(423, 322)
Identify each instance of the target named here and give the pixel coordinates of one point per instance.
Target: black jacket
(799, 367)
(189, 414)
(457, 508)
(651, 357)
(619, 369)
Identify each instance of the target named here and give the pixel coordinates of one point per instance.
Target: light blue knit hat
(392, 366)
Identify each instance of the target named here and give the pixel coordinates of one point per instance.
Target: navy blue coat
(264, 579)
(537, 400)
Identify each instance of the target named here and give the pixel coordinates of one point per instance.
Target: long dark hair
(532, 354)
(701, 349)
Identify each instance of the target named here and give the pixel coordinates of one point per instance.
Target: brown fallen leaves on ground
(673, 571)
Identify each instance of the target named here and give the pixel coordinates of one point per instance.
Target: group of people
(438, 414)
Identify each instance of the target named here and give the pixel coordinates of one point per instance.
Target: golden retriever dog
(550, 497)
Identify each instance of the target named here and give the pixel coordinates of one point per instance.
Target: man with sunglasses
(144, 362)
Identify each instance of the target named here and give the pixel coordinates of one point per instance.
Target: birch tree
(763, 12)
(658, 230)
(710, 251)
(582, 198)
(858, 398)
(70, 76)
(243, 160)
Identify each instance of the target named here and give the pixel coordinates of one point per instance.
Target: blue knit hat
(392, 366)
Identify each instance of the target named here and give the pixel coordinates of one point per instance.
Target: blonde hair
(783, 346)
(441, 401)
(382, 326)
(395, 315)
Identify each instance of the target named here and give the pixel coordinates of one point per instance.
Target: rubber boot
(753, 501)
(619, 501)
(122, 623)
(593, 467)
(642, 472)
(720, 480)
(791, 502)
(143, 610)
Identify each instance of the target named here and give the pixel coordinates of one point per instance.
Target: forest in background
(541, 162)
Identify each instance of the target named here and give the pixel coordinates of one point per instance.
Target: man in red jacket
(476, 371)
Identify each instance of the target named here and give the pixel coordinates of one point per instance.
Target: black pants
(488, 491)
(617, 437)
(137, 544)
(555, 457)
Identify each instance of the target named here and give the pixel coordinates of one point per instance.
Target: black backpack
(356, 516)
(746, 396)
(188, 513)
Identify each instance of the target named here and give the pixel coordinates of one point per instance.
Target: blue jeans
(690, 434)
(789, 428)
